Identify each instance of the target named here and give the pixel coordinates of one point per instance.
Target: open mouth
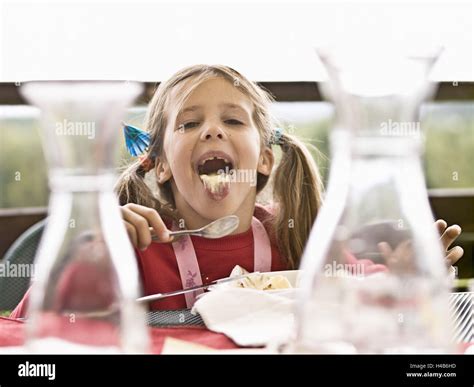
(214, 172)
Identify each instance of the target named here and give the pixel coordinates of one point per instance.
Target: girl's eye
(233, 122)
(188, 125)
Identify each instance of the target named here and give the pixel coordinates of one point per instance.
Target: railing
(282, 91)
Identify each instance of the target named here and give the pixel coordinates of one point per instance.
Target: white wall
(267, 41)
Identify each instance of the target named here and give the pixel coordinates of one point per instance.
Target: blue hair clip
(136, 140)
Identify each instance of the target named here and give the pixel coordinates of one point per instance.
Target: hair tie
(146, 163)
(276, 137)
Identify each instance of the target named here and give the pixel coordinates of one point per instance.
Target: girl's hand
(402, 254)
(448, 236)
(138, 219)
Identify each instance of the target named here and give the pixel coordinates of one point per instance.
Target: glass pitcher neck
(63, 181)
(353, 145)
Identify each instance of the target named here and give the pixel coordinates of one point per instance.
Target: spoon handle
(186, 232)
(179, 233)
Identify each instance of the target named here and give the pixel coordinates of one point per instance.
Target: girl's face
(213, 153)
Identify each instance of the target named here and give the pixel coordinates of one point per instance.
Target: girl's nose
(212, 131)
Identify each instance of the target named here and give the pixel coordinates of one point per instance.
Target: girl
(205, 122)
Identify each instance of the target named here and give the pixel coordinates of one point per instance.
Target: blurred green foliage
(449, 148)
(23, 174)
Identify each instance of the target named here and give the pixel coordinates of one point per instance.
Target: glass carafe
(86, 276)
(374, 277)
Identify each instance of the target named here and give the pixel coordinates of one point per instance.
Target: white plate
(293, 277)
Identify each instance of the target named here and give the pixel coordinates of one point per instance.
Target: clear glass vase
(86, 276)
(374, 277)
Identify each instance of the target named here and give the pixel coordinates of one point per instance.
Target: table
(12, 333)
(182, 325)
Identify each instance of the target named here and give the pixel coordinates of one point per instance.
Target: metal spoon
(217, 229)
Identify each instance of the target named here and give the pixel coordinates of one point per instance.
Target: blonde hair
(297, 187)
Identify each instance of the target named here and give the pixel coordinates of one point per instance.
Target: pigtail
(132, 188)
(297, 188)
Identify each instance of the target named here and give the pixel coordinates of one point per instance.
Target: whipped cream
(213, 182)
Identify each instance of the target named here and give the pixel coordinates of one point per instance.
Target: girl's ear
(265, 164)
(163, 172)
